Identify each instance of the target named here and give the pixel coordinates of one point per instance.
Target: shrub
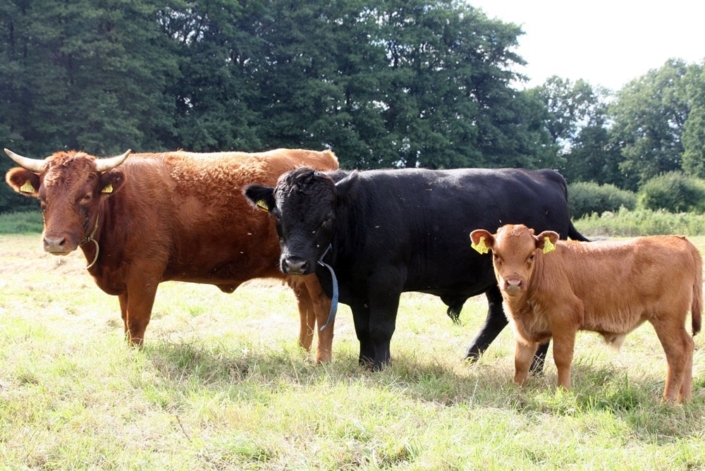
(21, 222)
(588, 197)
(640, 222)
(674, 192)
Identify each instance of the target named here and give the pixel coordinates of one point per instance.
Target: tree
(649, 115)
(693, 138)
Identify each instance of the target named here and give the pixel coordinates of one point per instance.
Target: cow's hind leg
(123, 312)
(678, 346)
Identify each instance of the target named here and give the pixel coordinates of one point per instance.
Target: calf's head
(514, 252)
(304, 203)
(69, 186)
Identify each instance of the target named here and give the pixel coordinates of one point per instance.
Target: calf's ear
(481, 240)
(546, 241)
(23, 181)
(261, 197)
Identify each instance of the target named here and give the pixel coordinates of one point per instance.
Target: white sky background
(604, 42)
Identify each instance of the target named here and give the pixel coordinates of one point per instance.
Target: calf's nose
(512, 285)
(294, 266)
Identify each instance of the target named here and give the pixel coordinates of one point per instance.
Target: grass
(221, 384)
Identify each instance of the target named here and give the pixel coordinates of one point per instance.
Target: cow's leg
(320, 305)
(523, 354)
(495, 322)
(123, 312)
(361, 318)
(140, 300)
(384, 302)
(678, 346)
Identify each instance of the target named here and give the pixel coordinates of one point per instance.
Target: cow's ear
(347, 187)
(111, 181)
(261, 197)
(546, 241)
(23, 181)
(481, 240)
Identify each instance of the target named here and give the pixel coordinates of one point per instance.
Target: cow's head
(304, 203)
(514, 251)
(70, 187)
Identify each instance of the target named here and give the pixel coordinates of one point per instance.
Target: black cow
(389, 231)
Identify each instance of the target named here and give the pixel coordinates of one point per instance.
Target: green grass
(221, 384)
(641, 222)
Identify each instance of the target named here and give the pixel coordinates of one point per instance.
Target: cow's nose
(55, 244)
(294, 266)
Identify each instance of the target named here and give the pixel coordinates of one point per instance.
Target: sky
(607, 43)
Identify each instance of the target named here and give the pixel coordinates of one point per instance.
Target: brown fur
(173, 216)
(606, 287)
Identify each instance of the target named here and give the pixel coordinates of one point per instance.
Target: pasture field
(221, 384)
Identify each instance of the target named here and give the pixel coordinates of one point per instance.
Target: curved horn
(103, 165)
(33, 165)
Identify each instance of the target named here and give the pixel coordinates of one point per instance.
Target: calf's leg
(563, 347)
(678, 346)
(496, 321)
(523, 354)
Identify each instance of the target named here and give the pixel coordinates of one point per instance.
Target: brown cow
(554, 288)
(170, 216)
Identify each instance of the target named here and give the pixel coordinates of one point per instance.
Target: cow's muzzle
(295, 266)
(58, 245)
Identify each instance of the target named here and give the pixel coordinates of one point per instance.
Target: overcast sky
(606, 42)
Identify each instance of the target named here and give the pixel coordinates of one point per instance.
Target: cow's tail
(697, 304)
(575, 235)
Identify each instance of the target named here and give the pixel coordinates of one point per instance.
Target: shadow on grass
(596, 389)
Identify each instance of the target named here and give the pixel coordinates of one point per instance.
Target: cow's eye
(86, 198)
(497, 259)
(531, 258)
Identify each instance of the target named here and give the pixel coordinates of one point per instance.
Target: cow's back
(190, 208)
(420, 220)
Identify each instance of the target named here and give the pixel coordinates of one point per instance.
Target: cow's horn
(33, 165)
(103, 165)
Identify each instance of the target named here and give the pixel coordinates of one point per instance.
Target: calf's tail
(697, 305)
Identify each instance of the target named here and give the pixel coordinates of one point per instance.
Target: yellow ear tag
(548, 245)
(262, 206)
(27, 187)
(481, 247)
(108, 189)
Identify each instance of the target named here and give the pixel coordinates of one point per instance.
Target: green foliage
(640, 222)
(673, 192)
(23, 222)
(588, 197)
(649, 114)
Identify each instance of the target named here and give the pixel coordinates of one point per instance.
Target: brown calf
(554, 288)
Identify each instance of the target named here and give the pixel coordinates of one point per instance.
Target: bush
(640, 222)
(23, 222)
(674, 192)
(588, 197)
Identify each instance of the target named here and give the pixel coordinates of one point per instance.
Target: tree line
(384, 83)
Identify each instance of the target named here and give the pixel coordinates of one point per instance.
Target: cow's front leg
(384, 303)
(320, 304)
(140, 296)
(361, 318)
(523, 354)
